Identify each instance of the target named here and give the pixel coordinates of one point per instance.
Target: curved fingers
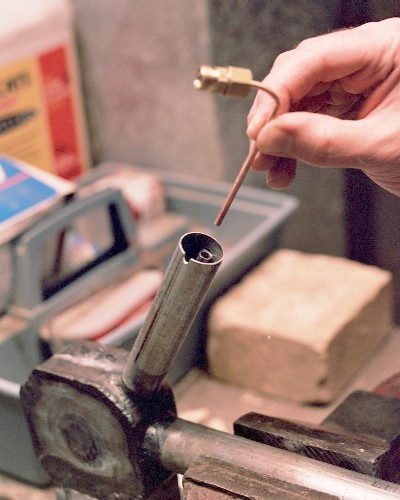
(359, 58)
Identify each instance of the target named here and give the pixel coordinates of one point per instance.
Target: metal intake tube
(185, 285)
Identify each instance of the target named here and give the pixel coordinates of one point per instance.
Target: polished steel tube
(185, 442)
(185, 285)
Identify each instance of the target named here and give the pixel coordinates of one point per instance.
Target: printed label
(23, 125)
(39, 120)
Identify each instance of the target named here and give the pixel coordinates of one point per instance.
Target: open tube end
(201, 248)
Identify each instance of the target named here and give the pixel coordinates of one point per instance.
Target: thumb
(316, 139)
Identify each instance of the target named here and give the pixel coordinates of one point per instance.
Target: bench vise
(103, 421)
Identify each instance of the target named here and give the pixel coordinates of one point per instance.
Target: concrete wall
(138, 59)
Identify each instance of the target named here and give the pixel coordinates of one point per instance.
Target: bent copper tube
(236, 82)
(186, 283)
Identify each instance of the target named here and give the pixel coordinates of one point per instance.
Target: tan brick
(300, 325)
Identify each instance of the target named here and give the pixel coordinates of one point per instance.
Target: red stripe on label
(59, 99)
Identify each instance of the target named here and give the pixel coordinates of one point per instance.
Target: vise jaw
(362, 434)
(103, 445)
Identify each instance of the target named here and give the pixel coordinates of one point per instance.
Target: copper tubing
(236, 185)
(248, 161)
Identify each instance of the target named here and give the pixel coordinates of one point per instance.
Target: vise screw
(103, 421)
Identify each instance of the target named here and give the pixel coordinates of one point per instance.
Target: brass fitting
(225, 80)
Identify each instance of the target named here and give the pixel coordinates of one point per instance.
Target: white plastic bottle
(41, 117)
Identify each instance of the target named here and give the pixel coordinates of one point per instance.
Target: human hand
(339, 106)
